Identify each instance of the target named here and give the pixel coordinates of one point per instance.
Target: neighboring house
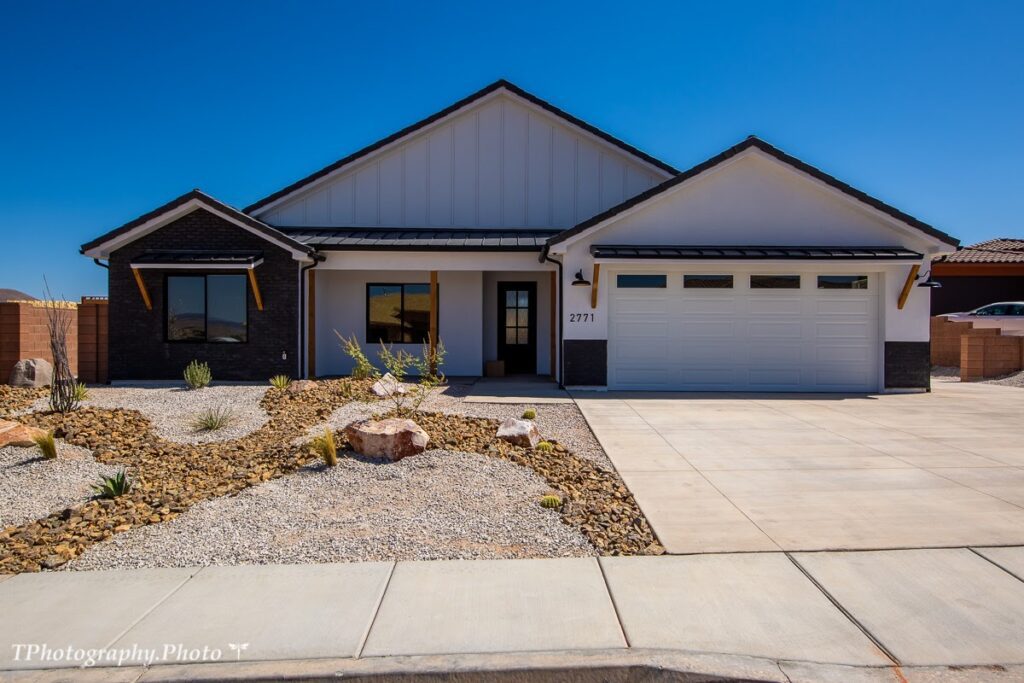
(514, 231)
(14, 295)
(983, 273)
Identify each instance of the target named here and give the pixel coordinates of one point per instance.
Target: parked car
(1007, 315)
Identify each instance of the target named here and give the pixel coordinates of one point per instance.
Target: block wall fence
(979, 353)
(24, 334)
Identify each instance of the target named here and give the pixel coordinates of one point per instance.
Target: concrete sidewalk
(757, 616)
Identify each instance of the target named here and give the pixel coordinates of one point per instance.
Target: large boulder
(387, 385)
(31, 372)
(301, 385)
(519, 432)
(17, 434)
(393, 438)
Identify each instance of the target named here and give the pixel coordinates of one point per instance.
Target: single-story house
(983, 273)
(514, 231)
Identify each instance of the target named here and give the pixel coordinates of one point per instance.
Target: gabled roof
(999, 250)
(466, 101)
(200, 199)
(755, 143)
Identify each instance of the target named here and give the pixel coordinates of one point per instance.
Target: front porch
(506, 314)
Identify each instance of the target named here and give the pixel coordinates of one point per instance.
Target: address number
(581, 317)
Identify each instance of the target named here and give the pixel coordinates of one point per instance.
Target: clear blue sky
(112, 108)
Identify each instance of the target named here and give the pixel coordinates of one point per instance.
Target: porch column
(311, 325)
(433, 320)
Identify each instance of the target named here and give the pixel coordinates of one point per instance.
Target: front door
(517, 327)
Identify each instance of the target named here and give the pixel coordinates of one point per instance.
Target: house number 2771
(581, 317)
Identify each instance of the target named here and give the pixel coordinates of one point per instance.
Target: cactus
(551, 502)
(197, 375)
(545, 447)
(529, 414)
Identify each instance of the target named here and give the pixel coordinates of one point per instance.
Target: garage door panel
(743, 340)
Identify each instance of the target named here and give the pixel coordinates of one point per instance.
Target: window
(206, 308)
(397, 314)
(842, 282)
(1000, 309)
(641, 281)
(707, 281)
(775, 282)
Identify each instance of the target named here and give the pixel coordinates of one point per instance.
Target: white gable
(502, 162)
(755, 199)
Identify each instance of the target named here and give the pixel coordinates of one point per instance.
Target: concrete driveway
(729, 473)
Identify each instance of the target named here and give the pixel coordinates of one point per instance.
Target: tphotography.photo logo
(167, 653)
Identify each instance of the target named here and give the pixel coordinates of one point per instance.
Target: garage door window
(641, 281)
(842, 282)
(775, 282)
(707, 281)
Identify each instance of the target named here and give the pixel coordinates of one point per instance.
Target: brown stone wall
(24, 334)
(92, 340)
(946, 340)
(987, 353)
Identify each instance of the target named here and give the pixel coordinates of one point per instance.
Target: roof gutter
(561, 361)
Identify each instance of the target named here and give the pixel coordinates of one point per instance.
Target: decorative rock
(17, 434)
(387, 386)
(393, 438)
(31, 372)
(298, 386)
(519, 432)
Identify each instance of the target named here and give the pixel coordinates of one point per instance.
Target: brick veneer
(137, 346)
(24, 334)
(586, 362)
(907, 365)
(986, 352)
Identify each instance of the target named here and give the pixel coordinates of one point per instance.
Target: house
(514, 231)
(983, 273)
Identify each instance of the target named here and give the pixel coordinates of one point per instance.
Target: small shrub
(551, 502)
(529, 414)
(363, 368)
(47, 444)
(280, 381)
(213, 419)
(80, 392)
(325, 447)
(197, 375)
(545, 447)
(112, 487)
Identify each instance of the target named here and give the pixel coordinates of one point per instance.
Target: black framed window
(640, 281)
(842, 282)
(207, 308)
(775, 282)
(397, 313)
(707, 281)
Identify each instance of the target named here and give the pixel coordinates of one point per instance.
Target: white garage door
(743, 332)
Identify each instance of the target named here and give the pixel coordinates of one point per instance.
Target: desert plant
(551, 502)
(529, 414)
(197, 375)
(212, 419)
(325, 447)
(399, 364)
(363, 368)
(545, 447)
(47, 444)
(80, 392)
(112, 487)
(280, 381)
(58, 325)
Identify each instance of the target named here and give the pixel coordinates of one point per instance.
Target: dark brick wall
(586, 362)
(907, 365)
(137, 346)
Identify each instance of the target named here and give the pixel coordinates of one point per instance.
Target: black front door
(517, 327)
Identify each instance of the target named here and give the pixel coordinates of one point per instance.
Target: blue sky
(111, 108)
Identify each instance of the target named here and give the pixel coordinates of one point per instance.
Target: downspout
(317, 260)
(561, 356)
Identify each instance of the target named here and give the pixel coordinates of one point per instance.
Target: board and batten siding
(503, 163)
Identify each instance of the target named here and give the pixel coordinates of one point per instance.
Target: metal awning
(744, 253)
(198, 258)
(420, 239)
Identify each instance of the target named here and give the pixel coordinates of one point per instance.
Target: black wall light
(928, 281)
(580, 281)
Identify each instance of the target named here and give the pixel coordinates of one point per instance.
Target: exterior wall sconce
(580, 281)
(928, 281)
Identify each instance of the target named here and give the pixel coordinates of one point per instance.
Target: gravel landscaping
(31, 487)
(437, 505)
(952, 374)
(172, 409)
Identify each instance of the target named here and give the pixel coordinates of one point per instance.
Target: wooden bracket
(593, 288)
(433, 318)
(911, 276)
(142, 289)
(255, 289)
